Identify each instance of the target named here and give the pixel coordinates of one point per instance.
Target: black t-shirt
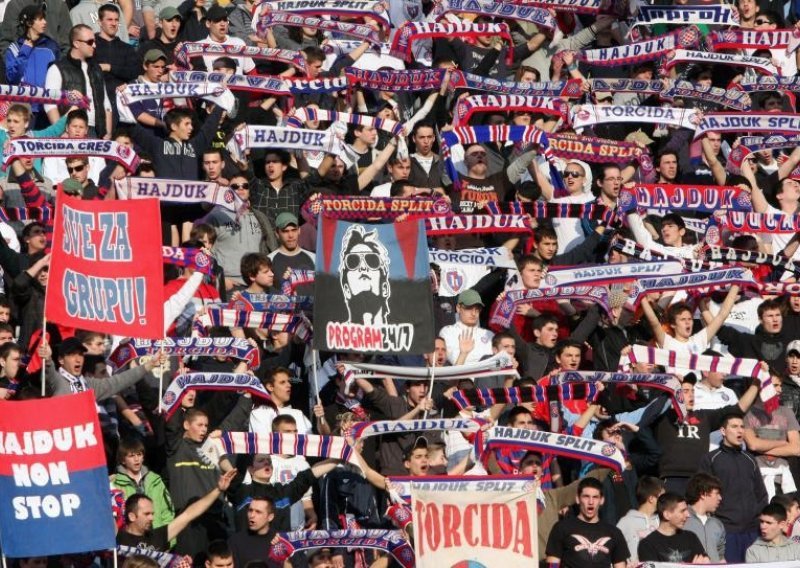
(155, 539)
(301, 261)
(683, 546)
(586, 545)
(475, 191)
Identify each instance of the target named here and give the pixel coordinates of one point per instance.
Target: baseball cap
(216, 13)
(470, 298)
(169, 13)
(71, 345)
(154, 55)
(285, 219)
(72, 187)
(793, 346)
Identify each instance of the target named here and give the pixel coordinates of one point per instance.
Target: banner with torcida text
(105, 273)
(475, 522)
(54, 495)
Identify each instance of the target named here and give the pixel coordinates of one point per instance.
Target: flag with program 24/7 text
(106, 269)
(54, 493)
(372, 290)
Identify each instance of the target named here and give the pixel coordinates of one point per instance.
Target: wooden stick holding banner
(314, 360)
(433, 376)
(44, 342)
(161, 382)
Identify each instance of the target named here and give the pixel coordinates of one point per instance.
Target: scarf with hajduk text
(605, 274)
(39, 95)
(769, 84)
(766, 122)
(639, 86)
(136, 92)
(190, 50)
(257, 136)
(748, 39)
(708, 280)
(642, 51)
(188, 257)
(476, 224)
(412, 31)
(235, 348)
(631, 248)
(354, 207)
(178, 388)
(732, 255)
(339, 9)
(708, 363)
(392, 541)
(505, 309)
(680, 56)
(523, 13)
(602, 453)
(356, 31)
(361, 430)
(412, 80)
(582, 116)
(570, 89)
(66, 147)
(731, 98)
(703, 198)
(178, 191)
(465, 108)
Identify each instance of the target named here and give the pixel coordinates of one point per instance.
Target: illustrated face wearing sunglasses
(363, 270)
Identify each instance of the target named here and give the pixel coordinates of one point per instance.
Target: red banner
(105, 273)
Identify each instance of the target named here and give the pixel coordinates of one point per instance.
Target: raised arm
(712, 327)
(655, 323)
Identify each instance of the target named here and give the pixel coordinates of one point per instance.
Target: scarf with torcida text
(411, 31)
(506, 308)
(355, 207)
(178, 388)
(712, 364)
(235, 348)
(360, 32)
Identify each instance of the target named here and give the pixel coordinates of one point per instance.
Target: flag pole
(433, 375)
(161, 380)
(42, 342)
(314, 360)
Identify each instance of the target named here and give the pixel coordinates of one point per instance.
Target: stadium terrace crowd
(611, 194)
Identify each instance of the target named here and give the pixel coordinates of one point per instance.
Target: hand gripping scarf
(749, 122)
(500, 9)
(177, 389)
(381, 427)
(188, 257)
(411, 31)
(66, 147)
(573, 447)
(709, 14)
(412, 80)
(39, 95)
(465, 108)
(707, 363)
(178, 191)
(708, 279)
(731, 98)
(582, 116)
(642, 51)
(770, 84)
(297, 277)
(760, 64)
(392, 541)
(476, 224)
(358, 207)
(748, 39)
(631, 248)
(569, 89)
(342, 9)
(605, 274)
(235, 348)
(666, 383)
(275, 303)
(189, 50)
(506, 308)
(673, 197)
(357, 31)
(732, 256)
(599, 150)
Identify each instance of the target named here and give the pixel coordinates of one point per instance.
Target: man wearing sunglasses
(78, 71)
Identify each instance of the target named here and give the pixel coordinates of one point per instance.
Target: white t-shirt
(261, 419)
(245, 63)
(696, 345)
(483, 342)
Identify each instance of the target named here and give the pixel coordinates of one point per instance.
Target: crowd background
(718, 485)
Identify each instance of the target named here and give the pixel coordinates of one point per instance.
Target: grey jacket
(102, 388)
(762, 551)
(711, 535)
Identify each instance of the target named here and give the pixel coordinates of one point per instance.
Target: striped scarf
(188, 257)
(737, 221)
(731, 98)
(355, 207)
(770, 83)
(680, 56)
(628, 86)
(572, 447)
(708, 280)
(605, 274)
(515, 396)
(339, 9)
(465, 108)
(190, 50)
(137, 92)
(392, 541)
(476, 224)
(711, 364)
(276, 86)
(765, 122)
(505, 309)
(66, 147)
(523, 13)
(748, 39)
(499, 364)
(731, 255)
(382, 427)
(710, 14)
(275, 443)
(578, 6)
(297, 277)
(569, 89)
(235, 348)
(413, 80)
(542, 210)
(178, 191)
(641, 51)
(178, 388)
(303, 114)
(10, 214)
(631, 248)
(411, 31)
(39, 95)
(217, 316)
(361, 32)
(672, 197)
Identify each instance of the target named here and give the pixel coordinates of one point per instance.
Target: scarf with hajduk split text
(641, 51)
(413, 31)
(235, 348)
(764, 122)
(680, 56)
(709, 280)
(356, 31)
(505, 309)
(338, 9)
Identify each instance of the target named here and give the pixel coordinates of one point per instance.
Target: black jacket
(73, 79)
(121, 57)
(769, 347)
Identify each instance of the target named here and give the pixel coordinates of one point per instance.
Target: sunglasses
(571, 174)
(89, 42)
(354, 260)
(240, 186)
(762, 21)
(74, 169)
(35, 232)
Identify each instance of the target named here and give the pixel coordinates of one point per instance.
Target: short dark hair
(78, 114)
(733, 415)
(771, 304)
(665, 152)
(270, 379)
(132, 503)
(776, 511)
(701, 484)
(540, 321)
(498, 337)
(282, 419)
(218, 549)
(667, 502)
(128, 446)
(561, 346)
(675, 310)
(313, 54)
(176, 115)
(251, 263)
(590, 483)
(105, 8)
(544, 232)
(648, 486)
(517, 411)
(527, 259)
